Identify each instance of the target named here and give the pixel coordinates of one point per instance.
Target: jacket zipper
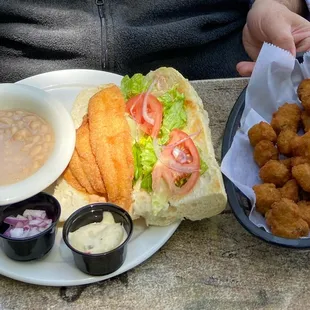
(103, 33)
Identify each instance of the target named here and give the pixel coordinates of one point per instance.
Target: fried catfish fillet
(78, 172)
(70, 178)
(111, 144)
(87, 158)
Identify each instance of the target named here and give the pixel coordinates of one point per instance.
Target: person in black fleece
(200, 38)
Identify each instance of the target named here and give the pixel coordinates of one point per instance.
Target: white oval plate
(58, 268)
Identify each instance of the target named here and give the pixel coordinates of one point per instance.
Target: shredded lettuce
(160, 199)
(174, 115)
(135, 85)
(144, 160)
(203, 166)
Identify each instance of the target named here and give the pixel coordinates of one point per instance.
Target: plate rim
(137, 260)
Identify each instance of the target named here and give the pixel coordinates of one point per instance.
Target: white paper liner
(274, 81)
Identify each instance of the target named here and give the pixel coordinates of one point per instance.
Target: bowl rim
(55, 164)
(92, 206)
(229, 133)
(54, 223)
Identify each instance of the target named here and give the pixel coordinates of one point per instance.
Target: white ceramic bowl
(18, 96)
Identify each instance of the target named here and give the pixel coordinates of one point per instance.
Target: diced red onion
(11, 220)
(17, 232)
(20, 225)
(31, 223)
(35, 213)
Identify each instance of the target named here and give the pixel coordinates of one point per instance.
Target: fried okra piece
(286, 162)
(305, 118)
(284, 141)
(264, 151)
(302, 175)
(304, 209)
(284, 220)
(303, 92)
(261, 131)
(274, 172)
(290, 190)
(298, 160)
(266, 194)
(287, 116)
(300, 145)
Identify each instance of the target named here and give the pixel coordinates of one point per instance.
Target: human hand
(271, 21)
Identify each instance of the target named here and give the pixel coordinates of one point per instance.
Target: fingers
(285, 40)
(245, 68)
(303, 45)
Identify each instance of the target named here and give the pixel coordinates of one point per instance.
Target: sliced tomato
(170, 169)
(134, 107)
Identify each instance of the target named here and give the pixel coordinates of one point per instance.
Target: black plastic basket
(239, 203)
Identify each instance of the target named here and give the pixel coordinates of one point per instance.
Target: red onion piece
(191, 136)
(177, 167)
(180, 156)
(11, 220)
(17, 232)
(146, 117)
(31, 223)
(35, 213)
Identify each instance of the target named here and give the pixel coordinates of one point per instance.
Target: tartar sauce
(99, 237)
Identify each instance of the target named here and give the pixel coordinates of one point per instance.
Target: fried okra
(264, 151)
(284, 220)
(287, 116)
(290, 190)
(266, 194)
(261, 131)
(302, 175)
(304, 209)
(303, 92)
(284, 141)
(274, 172)
(305, 118)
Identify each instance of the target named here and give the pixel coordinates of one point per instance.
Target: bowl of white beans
(37, 140)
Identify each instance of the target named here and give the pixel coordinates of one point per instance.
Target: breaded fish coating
(80, 175)
(261, 131)
(70, 178)
(274, 172)
(302, 175)
(287, 116)
(284, 220)
(290, 190)
(305, 118)
(304, 209)
(265, 150)
(88, 159)
(111, 144)
(266, 194)
(284, 141)
(303, 92)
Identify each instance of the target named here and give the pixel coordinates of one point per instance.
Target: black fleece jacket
(200, 38)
